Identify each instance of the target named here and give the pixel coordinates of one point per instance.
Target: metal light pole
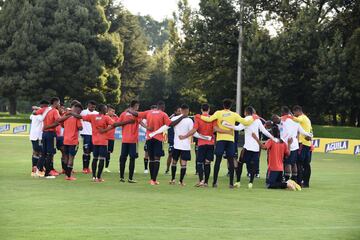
(238, 82)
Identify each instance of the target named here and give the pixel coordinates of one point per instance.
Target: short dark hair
(250, 110)
(184, 106)
(285, 109)
(275, 131)
(110, 106)
(100, 107)
(160, 103)
(205, 107)
(227, 103)
(54, 99)
(74, 102)
(153, 107)
(133, 103)
(92, 102)
(44, 102)
(297, 108)
(78, 105)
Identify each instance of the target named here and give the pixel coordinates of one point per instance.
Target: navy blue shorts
(145, 147)
(181, 154)
(292, 158)
(129, 149)
(227, 147)
(87, 143)
(36, 145)
(171, 148)
(205, 152)
(273, 177)
(305, 154)
(111, 145)
(48, 142)
(251, 157)
(100, 151)
(59, 142)
(71, 150)
(155, 148)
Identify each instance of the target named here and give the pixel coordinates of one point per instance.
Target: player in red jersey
(111, 138)
(71, 126)
(156, 120)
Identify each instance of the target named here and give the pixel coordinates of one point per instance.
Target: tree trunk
(334, 120)
(343, 118)
(12, 105)
(352, 118)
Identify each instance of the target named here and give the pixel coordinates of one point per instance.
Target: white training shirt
(290, 129)
(250, 143)
(37, 124)
(87, 130)
(182, 128)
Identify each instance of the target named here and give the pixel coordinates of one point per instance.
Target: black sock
(200, 170)
(107, 160)
(63, 164)
(207, 169)
(101, 167)
(86, 160)
(68, 171)
(146, 163)
(217, 168)
(173, 172)
(151, 168)
(94, 166)
(239, 171)
(252, 172)
(156, 168)
(34, 160)
(41, 162)
(131, 168)
(182, 173)
(48, 160)
(52, 163)
(231, 170)
(122, 166)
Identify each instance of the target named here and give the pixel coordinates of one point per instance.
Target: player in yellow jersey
(304, 167)
(225, 141)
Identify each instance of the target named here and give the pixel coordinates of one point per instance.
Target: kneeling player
(71, 140)
(276, 153)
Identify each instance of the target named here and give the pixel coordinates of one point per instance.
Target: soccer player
(36, 131)
(182, 146)
(290, 129)
(251, 153)
(60, 143)
(170, 138)
(71, 126)
(225, 141)
(277, 151)
(111, 138)
(158, 121)
(130, 138)
(51, 120)
(205, 153)
(304, 166)
(86, 134)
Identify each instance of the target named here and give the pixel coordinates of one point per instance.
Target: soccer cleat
(250, 186)
(54, 173)
(205, 185)
(50, 177)
(71, 178)
(99, 180)
(107, 170)
(214, 185)
(132, 181)
(257, 175)
(39, 174)
(62, 171)
(152, 182)
(297, 186)
(122, 180)
(172, 182)
(182, 184)
(237, 184)
(157, 182)
(231, 186)
(146, 171)
(199, 184)
(84, 171)
(166, 172)
(33, 174)
(94, 179)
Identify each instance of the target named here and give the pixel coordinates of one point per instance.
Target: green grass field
(56, 209)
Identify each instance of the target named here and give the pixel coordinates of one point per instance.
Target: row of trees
(97, 49)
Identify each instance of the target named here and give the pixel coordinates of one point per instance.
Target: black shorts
(292, 158)
(36, 145)
(59, 142)
(145, 147)
(171, 148)
(129, 149)
(87, 143)
(251, 157)
(71, 150)
(182, 154)
(48, 142)
(155, 148)
(227, 147)
(111, 145)
(100, 151)
(205, 152)
(273, 177)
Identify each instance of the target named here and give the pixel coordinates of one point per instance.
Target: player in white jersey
(36, 130)
(86, 134)
(182, 148)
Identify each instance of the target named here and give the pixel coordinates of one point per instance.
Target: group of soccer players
(288, 145)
